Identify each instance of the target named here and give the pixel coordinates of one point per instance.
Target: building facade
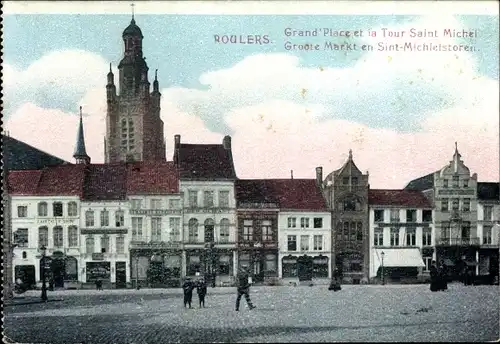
(134, 129)
(488, 220)
(402, 231)
(346, 193)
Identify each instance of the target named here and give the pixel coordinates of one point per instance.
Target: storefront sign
(103, 231)
(320, 261)
(208, 210)
(290, 260)
(255, 205)
(97, 256)
(456, 192)
(58, 221)
(155, 212)
(98, 271)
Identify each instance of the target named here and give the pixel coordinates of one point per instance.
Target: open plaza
(375, 313)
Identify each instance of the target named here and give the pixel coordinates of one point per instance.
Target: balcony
(473, 241)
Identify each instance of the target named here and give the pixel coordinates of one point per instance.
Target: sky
(400, 112)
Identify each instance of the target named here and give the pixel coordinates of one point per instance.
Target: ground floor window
(26, 273)
(320, 267)
(172, 265)
(98, 271)
(244, 260)
(139, 268)
(428, 263)
(289, 267)
(193, 264)
(225, 265)
(71, 269)
(270, 264)
(349, 262)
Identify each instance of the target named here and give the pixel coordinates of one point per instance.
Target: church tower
(80, 154)
(134, 129)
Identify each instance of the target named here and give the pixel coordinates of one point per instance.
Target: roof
(400, 198)
(290, 194)
(61, 180)
(18, 155)
(205, 162)
(132, 29)
(152, 178)
(105, 182)
(422, 183)
(23, 182)
(488, 191)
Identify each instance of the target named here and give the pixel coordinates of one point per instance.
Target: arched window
(209, 230)
(224, 230)
(72, 209)
(193, 230)
(89, 245)
(42, 209)
(58, 236)
(89, 218)
(43, 236)
(72, 236)
(104, 218)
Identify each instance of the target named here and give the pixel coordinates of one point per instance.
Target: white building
(304, 232)
(402, 235)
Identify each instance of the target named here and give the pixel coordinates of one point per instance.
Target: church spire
(80, 154)
(156, 87)
(456, 158)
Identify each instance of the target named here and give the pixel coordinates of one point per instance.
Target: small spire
(80, 154)
(110, 68)
(133, 20)
(156, 74)
(350, 154)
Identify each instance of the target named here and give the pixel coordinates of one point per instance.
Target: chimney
(291, 174)
(319, 176)
(226, 142)
(177, 141)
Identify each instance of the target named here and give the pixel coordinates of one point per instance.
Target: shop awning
(396, 258)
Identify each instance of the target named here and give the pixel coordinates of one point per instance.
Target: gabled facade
(488, 227)
(401, 232)
(346, 193)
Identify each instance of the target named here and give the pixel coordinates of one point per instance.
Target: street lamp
(137, 272)
(44, 286)
(383, 274)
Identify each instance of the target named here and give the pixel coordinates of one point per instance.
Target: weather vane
(132, 5)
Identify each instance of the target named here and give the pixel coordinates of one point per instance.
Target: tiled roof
(152, 178)
(105, 182)
(422, 183)
(290, 194)
(18, 155)
(400, 198)
(62, 180)
(205, 162)
(488, 191)
(23, 182)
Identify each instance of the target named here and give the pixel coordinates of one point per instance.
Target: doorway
(121, 275)
(305, 268)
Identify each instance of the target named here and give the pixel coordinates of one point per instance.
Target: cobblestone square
(405, 313)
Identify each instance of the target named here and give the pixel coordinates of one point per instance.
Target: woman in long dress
(434, 277)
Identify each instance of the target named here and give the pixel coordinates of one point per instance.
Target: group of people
(439, 277)
(243, 289)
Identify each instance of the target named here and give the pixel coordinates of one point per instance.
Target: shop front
(98, 271)
(214, 264)
(263, 263)
(156, 268)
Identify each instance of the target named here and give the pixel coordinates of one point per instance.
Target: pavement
(394, 313)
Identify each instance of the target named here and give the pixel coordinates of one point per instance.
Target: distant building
(401, 231)
(488, 218)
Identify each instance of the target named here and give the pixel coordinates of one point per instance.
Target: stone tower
(134, 129)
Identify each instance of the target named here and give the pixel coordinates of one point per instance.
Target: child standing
(188, 292)
(201, 288)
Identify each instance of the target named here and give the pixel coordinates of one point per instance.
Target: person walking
(201, 289)
(243, 289)
(434, 277)
(188, 287)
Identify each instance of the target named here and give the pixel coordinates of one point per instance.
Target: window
(136, 203)
(488, 213)
(487, 235)
(346, 231)
(354, 181)
(58, 236)
(42, 209)
(411, 215)
(427, 215)
(410, 237)
(156, 229)
(193, 199)
(21, 237)
(175, 228)
(104, 244)
(378, 237)
(289, 267)
(89, 218)
(25, 255)
(345, 181)
(394, 236)
(304, 242)
(271, 263)
(427, 237)
(455, 203)
(444, 204)
(209, 230)
(57, 209)
(292, 222)
(89, 245)
(224, 230)
(318, 222)
(174, 204)
(304, 222)
(318, 243)
(455, 181)
(43, 236)
(208, 199)
(466, 230)
(22, 211)
(445, 183)
(359, 231)
(466, 205)
(72, 236)
(193, 230)
(104, 218)
(119, 218)
(379, 215)
(120, 244)
(349, 205)
(72, 209)
(466, 183)
(394, 215)
(224, 199)
(352, 233)
(292, 243)
(428, 264)
(247, 230)
(267, 231)
(137, 229)
(156, 204)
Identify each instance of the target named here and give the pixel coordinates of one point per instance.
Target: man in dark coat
(188, 287)
(335, 283)
(443, 277)
(201, 289)
(243, 288)
(434, 277)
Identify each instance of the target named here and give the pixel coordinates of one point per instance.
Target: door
(121, 275)
(58, 272)
(305, 268)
